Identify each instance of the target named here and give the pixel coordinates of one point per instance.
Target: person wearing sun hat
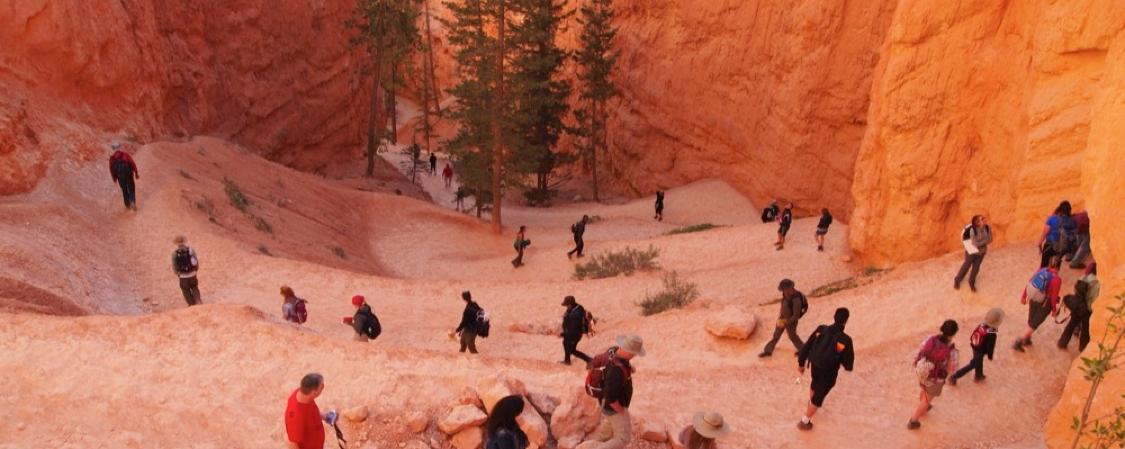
(615, 430)
(705, 428)
(983, 342)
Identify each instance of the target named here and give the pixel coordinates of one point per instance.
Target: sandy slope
(217, 376)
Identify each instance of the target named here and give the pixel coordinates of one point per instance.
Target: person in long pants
(467, 328)
(520, 244)
(574, 326)
(792, 301)
(976, 237)
(1060, 228)
(983, 342)
(1087, 290)
(579, 230)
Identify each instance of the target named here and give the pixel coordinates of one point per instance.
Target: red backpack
(595, 378)
(977, 338)
(300, 311)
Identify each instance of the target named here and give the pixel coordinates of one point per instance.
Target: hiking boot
(1018, 345)
(956, 285)
(820, 248)
(952, 383)
(764, 354)
(979, 378)
(564, 362)
(913, 425)
(804, 425)
(973, 288)
(780, 247)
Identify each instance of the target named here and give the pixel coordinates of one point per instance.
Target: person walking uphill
(705, 429)
(578, 229)
(827, 350)
(1058, 234)
(983, 342)
(575, 324)
(784, 221)
(433, 163)
(1042, 298)
(793, 307)
(1081, 249)
(975, 237)
(364, 321)
(185, 264)
(615, 392)
(303, 420)
(501, 430)
(293, 309)
(470, 323)
(447, 175)
(822, 228)
(935, 359)
(520, 244)
(1081, 305)
(659, 206)
(124, 172)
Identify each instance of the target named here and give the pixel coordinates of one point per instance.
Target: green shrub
(237, 199)
(613, 263)
(186, 175)
(339, 252)
(264, 250)
(834, 287)
(693, 228)
(262, 224)
(676, 295)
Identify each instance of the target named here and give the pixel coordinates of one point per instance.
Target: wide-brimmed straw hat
(994, 317)
(710, 425)
(632, 344)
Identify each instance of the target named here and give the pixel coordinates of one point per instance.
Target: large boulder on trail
(461, 417)
(733, 323)
(470, 438)
(576, 416)
(494, 388)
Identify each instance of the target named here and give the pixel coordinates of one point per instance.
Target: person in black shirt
(520, 244)
(827, 350)
(578, 229)
(983, 342)
(573, 327)
(792, 305)
(433, 163)
(615, 429)
(822, 228)
(467, 330)
(501, 430)
(659, 206)
(784, 221)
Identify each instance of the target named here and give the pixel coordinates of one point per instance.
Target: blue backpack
(1037, 286)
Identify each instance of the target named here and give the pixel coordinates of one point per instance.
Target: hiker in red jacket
(124, 171)
(1042, 298)
(447, 175)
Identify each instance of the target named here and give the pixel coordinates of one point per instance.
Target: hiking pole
(339, 436)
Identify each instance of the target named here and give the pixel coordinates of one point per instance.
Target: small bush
(676, 295)
(264, 250)
(205, 205)
(339, 252)
(834, 287)
(186, 175)
(613, 263)
(262, 224)
(237, 199)
(693, 228)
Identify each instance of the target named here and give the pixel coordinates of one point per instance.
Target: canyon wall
(770, 96)
(275, 76)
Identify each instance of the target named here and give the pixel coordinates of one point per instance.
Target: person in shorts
(827, 349)
(822, 228)
(784, 220)
(935, 360)
(1038, 311)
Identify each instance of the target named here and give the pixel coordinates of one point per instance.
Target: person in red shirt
(303, 424)
(447, 175)
(1038, 311)
(124, 172)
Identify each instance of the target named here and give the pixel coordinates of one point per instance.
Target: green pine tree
(595, 59)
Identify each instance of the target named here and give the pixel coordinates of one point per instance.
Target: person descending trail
(303, 420)
(983, 342)
(827, 350)
(474, 322)
(794, 305)
(576, 323)
(822, 228)
(610, 380)
(935, 359)
(433, 163)
(520, 244)
(447, 175)
(501, 429)
(975, 237)
(364, 321)
(185, 264)
(1081, 305)
(783, 222)
(1058, 234)
(769, 214)
(659, 206)
(1081, 248)
(124, 172)
(705, 429)
(578, 229)
(1042, 298)
(293, 309)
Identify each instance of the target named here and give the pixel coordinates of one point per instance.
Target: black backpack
(183, 261)
(823, 352)
(368, 323)
(768, 215)
(483, 326)
(804, 304)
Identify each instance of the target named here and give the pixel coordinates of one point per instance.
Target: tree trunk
(430, 63)
(393, 103)
(497, 129)
(375, 133)
(593, 142)
(425, 117)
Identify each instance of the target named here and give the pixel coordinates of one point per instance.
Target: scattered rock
(732, 322)
(417, 422)
(494, 388)
(570, 442)
(416, 444)
(461, 417)
(576, 416)
(357, 414)
(536, 328)
(546, 404)
(469, 396)
(471, 438)
(674, 442)
(654, 432)
(533, 425)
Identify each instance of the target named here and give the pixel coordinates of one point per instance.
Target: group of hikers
(784, 219)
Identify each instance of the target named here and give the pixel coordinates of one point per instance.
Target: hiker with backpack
(576, 323)
(447, 175)
(659, 206)
(975, 237)
(304, 428)
(705, 429)
(473, 322)
(185, 264)
(983, 342)
(933, 363)
(1081, 249)
(794, 305)
(769, 214)
(1058, 234)
(293, 309)
(578, 229)
(827, 350)
(822, 228)
(1042, 298)
(364, 322)
(501, 430)
(124, 172)
(784, 221)
(433, 163)
(1081, 305)
(520, 244)
(610, 380)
